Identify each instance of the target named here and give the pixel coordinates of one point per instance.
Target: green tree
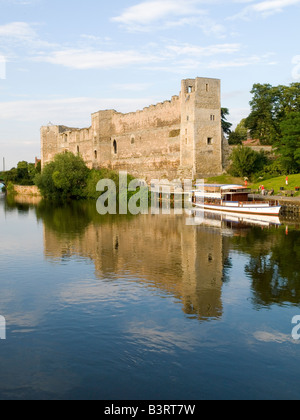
(288, 146)
(239, 134)
(270, 106)
(63, 178)
(225, 124)
(262, 121)
(246, 161)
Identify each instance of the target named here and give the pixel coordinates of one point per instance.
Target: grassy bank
(279, 182)
(272, 183)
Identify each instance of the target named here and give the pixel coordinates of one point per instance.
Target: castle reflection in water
(190, 263)
(159, 251)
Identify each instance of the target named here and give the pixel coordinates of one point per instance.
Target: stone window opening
(190, 89)
(209, 141)
(78, 150)
(132, 140)
(115, 146)
(207, 87)
(95, 154)
(212, 118)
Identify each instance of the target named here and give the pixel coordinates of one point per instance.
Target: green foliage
(246, 162)
(95, 176)
(67, 177)
(270, 106)
(226, 126)
(64, 178)
(24, 174)
(10, 188)
(288, 146)
(271, 170)
(239, 135)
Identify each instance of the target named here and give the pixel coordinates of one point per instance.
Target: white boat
(231, 199)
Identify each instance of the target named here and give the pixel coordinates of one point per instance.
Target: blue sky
(62, 60)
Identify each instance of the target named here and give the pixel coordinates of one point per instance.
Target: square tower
(201, 127)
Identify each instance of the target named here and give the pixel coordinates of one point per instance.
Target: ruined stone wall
(27, 190)
(180, 138)
(147, 143)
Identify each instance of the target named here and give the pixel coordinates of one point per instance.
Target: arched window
(115, 146)
(78, 150)
(95, 154)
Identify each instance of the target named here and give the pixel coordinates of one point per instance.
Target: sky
(62, 60)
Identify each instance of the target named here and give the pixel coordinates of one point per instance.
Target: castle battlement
(181, 137)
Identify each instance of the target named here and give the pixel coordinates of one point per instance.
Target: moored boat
(231, 199)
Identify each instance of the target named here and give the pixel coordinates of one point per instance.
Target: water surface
(145, 307)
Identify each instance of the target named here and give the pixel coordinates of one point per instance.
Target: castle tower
(201, 128)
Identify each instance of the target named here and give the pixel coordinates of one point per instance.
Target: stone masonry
(180, 138)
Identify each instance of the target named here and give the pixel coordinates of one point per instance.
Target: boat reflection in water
(237, 220)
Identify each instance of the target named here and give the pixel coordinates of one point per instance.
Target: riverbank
(25, 190)
(277, 184)
(290, 205)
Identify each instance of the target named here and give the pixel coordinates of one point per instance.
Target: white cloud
(265, 8)
(21, 34)
(151, 11)
(69, 111)
(296, 68)
(83, 59)
(2, 67)
(200, 51)
(19, 30)
(273, 6)
(161, 14)
(264, 59)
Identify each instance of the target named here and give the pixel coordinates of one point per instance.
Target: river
(146, 307)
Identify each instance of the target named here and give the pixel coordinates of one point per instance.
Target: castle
(180, 138)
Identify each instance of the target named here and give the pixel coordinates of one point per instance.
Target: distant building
(37, 161)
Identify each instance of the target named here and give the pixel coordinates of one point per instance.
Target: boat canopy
(223, 187)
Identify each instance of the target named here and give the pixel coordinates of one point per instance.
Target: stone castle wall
(174, 139)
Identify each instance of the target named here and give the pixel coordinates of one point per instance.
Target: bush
(24, 174)
(64, 178)
(246, 162)
(95, 176)
(67, 177)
